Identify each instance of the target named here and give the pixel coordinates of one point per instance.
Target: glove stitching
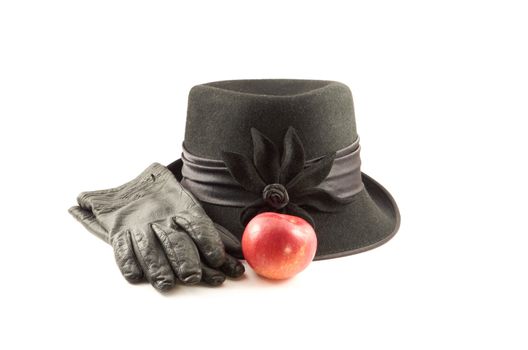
(153, 178)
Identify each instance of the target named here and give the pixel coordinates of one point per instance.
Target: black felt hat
(289, 146)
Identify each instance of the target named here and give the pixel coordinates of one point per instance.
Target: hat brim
(370, 220)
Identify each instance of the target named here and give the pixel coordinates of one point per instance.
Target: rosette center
(275, 195)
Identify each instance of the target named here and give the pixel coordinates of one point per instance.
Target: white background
(92, 92)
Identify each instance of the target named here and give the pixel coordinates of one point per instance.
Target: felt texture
(235, 116)
(370, 220)
(297, 180)
(222, 114)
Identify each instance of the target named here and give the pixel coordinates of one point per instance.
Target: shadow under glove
(159, 231)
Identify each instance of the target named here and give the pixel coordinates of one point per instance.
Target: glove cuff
(150, 180)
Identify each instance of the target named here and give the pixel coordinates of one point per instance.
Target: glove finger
(152, 260)
(89, 221)
(181, 253)
(232, 267)
(231, 242)
(212, 277)
(126, 258)
(204, 234)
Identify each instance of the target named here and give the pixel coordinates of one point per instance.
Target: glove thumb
(231, 242)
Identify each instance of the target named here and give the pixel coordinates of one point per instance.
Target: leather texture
(159, 231)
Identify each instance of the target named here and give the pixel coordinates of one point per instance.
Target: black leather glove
(159, 231)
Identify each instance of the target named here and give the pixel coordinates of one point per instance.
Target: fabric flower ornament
(285, 184)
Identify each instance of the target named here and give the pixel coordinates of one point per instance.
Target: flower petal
(243, 170)
(292, 161)
(265, 157)
(320, 199)
(251, 210)
(293, 209)
(311, 176)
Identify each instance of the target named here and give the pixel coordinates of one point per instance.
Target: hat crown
(221, 114)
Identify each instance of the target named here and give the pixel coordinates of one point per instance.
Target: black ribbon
(284, 183)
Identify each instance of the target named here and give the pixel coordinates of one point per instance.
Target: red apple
(278, 246)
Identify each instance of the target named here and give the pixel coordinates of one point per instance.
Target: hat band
(209, 180)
